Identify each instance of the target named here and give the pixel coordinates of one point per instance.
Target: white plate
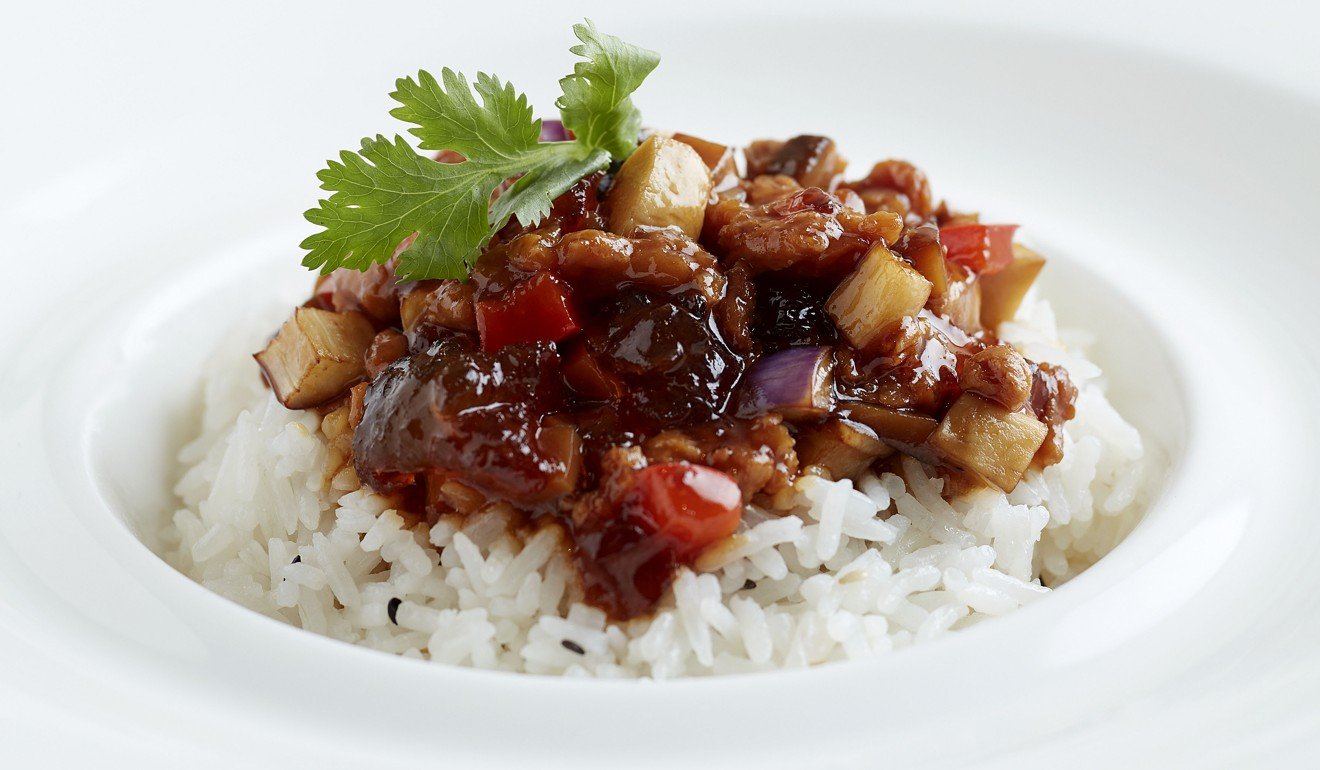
(1176, 200)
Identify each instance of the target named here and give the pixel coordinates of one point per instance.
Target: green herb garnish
(386, 191)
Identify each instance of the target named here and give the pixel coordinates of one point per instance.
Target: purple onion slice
(798, 382)
(553, 131)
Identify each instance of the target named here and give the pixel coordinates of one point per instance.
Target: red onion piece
(797, 382)
(553, 131)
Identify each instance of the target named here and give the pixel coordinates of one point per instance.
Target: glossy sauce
(668, 329)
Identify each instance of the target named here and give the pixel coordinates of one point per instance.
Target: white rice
(851, 571)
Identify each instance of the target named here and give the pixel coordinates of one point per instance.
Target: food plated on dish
(576, 397)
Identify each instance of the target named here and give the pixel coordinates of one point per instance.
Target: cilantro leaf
(597, 105)
(387, 191)
(384, 193)
(447, 117)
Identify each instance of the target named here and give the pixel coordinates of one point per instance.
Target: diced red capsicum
(536, 310)
(692, 506)
(979, 248)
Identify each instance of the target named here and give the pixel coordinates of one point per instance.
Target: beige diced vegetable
(316, 356)
(961, 303)
(1002, 292)
(891, 424)
(882, 291)
(928, 259)
(984, 438)
(413, 303)
(842, 447)
(717, 157)
(664, 183)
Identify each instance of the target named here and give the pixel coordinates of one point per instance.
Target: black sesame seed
(392, 609)
(297, 559)
(573, 647)
(749, 584)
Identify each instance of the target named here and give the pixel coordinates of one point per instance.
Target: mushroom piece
(717, 157)
(883, 290)
(841, 447)
(664, 183)
(981, 437)
(904, 428)
(316, 356)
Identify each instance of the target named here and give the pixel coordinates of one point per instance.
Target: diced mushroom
(921, 246)
(812, 160)
(907, 428)
(984, 438)
(841, 447)
(758, 155)
(316, 356)
(664, 183)
(1002, 292)
(961, 300)
(880, 292)
(357, 397)
(717, 157)
(561, 446)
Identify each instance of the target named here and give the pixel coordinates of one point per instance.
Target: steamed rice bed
(850, 571)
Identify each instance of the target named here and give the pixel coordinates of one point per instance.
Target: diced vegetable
(984, 438)
(797, 382)
(584, 374)
(842, 447)
(537, 310)
(316, 356)
(554, 131)
(357, 397)
(879, 293)
(561, 446)
(980, 248)
(717, 157)
(1002, 292)
(691, 505)
(961, 301)
(908, 428)
(664, 183)
(413, 303)
(813, 161)
(922, 248)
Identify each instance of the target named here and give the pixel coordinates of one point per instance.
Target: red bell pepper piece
(692, 506)
(536, 310)
(979, 248)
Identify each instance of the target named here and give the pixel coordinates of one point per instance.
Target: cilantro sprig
(386, 190)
